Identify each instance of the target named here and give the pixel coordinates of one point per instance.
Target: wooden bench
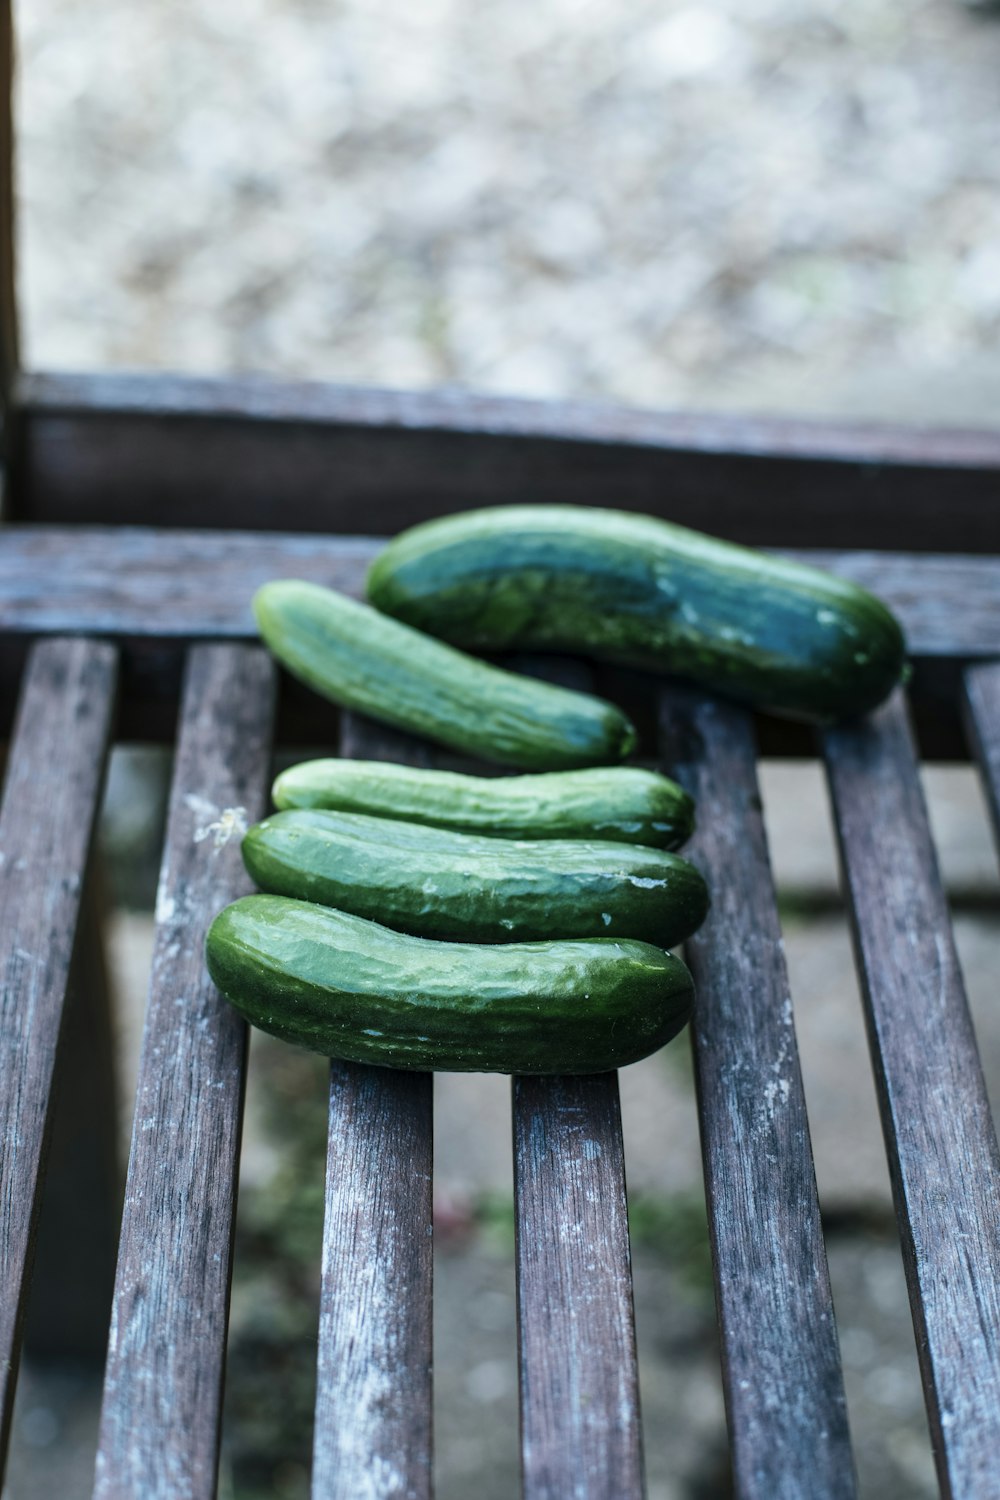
(141, 514)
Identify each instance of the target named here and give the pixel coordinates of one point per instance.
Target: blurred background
(785, 205)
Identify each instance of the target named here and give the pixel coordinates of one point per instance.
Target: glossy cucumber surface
(365, 661)
(769, 632)
(624, 803)
(351, 989)
(435, 883)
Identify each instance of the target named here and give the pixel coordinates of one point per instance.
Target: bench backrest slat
(941, 1143)
(160, 1418)
(51, 797)
(185, 585)
(781, 1362)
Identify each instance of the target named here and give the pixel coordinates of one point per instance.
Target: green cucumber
(764, 630)
(351, 989)
(625, 803)
(434, 883)
(365, 661)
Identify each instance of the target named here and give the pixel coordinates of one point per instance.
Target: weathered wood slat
(373, 1396)
(940, 1139)
(982, 717)
(141, 582)
(373, 1403)
(54, 778)
(781, 1364)
(109, 449)
(160, 1419)
(580, 1431)
(579, 1378)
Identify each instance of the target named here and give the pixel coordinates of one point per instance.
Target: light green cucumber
(351, 989)
(435, 883)
(363, 660)
(765, 630)
(624, 803)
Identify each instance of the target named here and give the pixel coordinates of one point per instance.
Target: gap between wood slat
(374, 1394)
(782, 1373)
(54, 777)
(161, 1414)
(940, 1139)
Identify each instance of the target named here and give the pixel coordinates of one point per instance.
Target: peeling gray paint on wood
(51, 797)
(781, 1362)
(374, 1395)
(160, 1418)
(941, 1143)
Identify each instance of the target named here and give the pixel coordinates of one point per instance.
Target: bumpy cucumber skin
(462, 887)
(623, 803)
(769, 632)
(363, 660)
(351, 989)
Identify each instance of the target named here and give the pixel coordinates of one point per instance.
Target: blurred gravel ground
(759, 203)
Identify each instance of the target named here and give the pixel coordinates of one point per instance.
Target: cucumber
(434, 883)
(763, 630)
(365, 661)
(351, 989)
(624, 803)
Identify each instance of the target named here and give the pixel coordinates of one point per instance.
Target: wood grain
(181, 585)
(781, 1363)
(54, 778)
(257, 453)
(373, 1403)
(579, 1379)
(941, 1144)
(374, 1395)
(160, 1418)
(580, 1430)
(981, 702)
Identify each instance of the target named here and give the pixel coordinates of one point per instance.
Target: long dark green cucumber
(625, 803)
(351, 989)
(363, 660)
(766, 631)
(438, 884)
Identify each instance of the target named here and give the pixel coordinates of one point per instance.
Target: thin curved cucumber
(435, 883)
(624, 803)
(363, 660)
(351, 989)
(763, 630)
